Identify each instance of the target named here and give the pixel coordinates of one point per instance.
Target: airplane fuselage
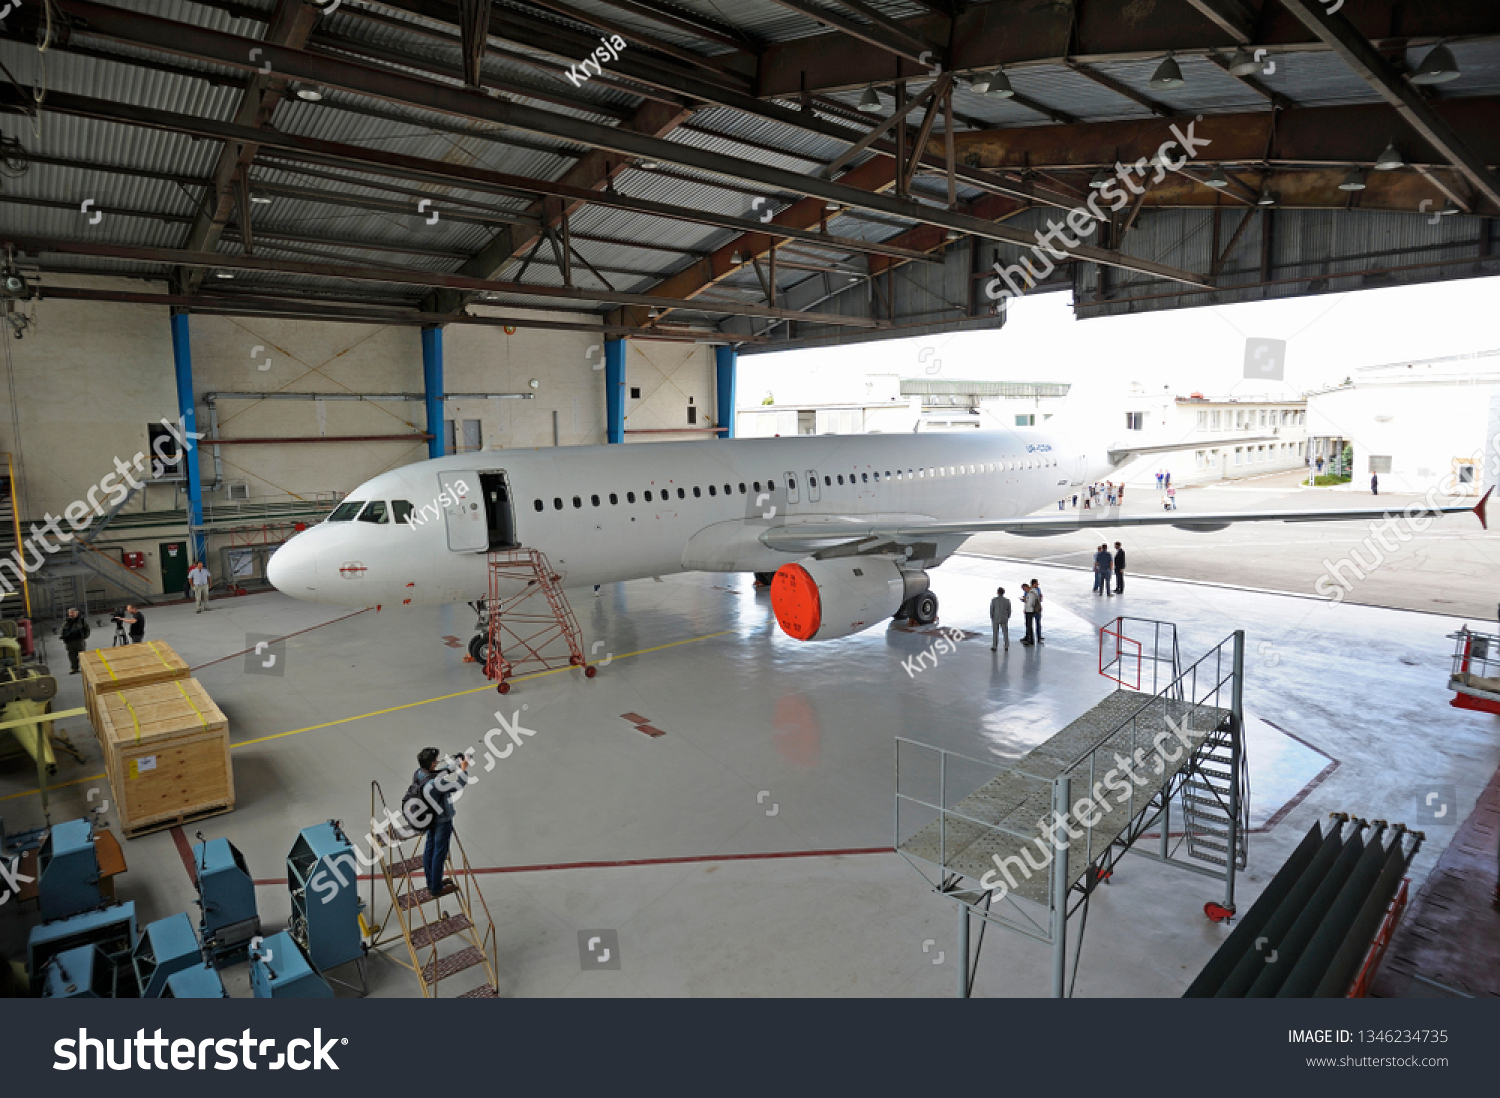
(609, 513)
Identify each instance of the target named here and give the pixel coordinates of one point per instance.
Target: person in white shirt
(199, 579)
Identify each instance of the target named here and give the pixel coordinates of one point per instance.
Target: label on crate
(134, 768)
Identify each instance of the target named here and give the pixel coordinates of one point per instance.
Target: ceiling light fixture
(223, 274)
(1217, 178)
(1267, 197)
(1168, 75)
(260, 199)
(869, 103)
(309, 94)
(1449, 208)
(1354, 181)
(1438, 67)
(1000, 85)
(1101, 177)
(1243, 63)
(1389, 160)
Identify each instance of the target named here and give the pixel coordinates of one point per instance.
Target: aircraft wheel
(590, 671)
(479, 647)
(924, 608)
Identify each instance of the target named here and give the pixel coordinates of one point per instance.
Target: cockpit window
(346, 511)
(375, 512)
(400, 511)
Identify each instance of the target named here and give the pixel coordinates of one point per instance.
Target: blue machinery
(226, 895)
(322, 875)
(87, 946)
(280, 970)
(168, 946)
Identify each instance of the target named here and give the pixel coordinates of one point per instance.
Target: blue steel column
(182, 361)
(726, 359)
(614, 390)
(432, 388)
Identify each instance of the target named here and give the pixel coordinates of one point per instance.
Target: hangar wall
(89, 377)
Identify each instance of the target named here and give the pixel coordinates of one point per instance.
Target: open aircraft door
(463, 511)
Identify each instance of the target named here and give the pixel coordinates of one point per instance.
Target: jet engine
(824, 599)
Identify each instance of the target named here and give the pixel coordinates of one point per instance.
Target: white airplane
(844, 528)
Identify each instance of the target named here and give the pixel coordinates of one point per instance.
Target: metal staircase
(1205, 798)
(525, 617)
(445, 936)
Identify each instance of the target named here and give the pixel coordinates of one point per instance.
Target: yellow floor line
(394, 709)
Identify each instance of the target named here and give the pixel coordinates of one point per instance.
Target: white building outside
(1416, 424)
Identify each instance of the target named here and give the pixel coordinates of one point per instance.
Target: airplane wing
(819, 536)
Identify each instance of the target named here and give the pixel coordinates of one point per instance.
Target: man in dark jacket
(134, 621)
(438, 787)
(75, 636)
(1119, 569)
(1103, 565)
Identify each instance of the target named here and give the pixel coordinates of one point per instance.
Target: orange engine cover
(824, 599)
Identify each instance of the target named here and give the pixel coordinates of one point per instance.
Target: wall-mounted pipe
(390, 397)
(320, 438)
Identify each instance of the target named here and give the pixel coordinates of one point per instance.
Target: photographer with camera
(133, 620)
(435, 783)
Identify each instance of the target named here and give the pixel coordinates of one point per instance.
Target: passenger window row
(829, 480)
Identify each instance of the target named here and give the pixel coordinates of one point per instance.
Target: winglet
(1479, 508)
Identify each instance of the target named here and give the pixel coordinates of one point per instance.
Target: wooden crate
(105, 670)
(166, 749)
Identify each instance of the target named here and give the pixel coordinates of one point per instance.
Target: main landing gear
(919, 609)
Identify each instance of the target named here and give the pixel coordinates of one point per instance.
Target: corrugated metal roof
(925, 295)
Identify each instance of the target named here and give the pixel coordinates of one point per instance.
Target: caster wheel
(574, 661)
(924, 609)
(503, 688)
(1218, 912)
(590, 672)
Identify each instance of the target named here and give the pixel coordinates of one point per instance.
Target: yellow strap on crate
(105, 661)
(201, 718)
(124, 698)
(155, 651)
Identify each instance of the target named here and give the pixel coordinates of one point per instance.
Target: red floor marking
(278, 640)
(646, 728)
(185, 849)
(452, 642)
(633, 718)
(271, 881)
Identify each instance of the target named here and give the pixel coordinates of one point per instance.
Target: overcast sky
(1201, 349)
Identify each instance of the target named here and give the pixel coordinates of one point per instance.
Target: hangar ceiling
(772, 173)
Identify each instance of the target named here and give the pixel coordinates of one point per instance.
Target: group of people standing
(1109, 566)
(1031, 605)
(1106, 494)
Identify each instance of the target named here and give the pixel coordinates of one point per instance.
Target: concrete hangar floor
(746, 851)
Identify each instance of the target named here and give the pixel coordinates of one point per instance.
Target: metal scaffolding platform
(1017, 845)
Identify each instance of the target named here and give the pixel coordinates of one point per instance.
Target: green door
(174, 567)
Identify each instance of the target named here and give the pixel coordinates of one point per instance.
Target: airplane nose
(293, 569)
